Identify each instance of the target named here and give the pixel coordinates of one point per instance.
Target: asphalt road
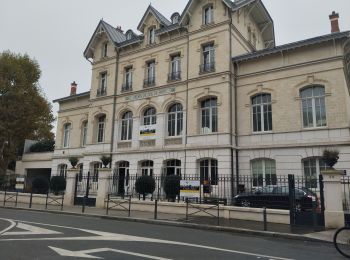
(35, 235)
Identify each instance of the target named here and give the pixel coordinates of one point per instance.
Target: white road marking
(86, 253)
(31, 230)
(12, 225)
(106, 236)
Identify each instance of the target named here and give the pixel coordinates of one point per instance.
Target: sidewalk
(228, 225)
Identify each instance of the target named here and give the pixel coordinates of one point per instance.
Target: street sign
(19, 183)
(189, 189)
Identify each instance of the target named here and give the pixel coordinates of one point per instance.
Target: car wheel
(245, 203)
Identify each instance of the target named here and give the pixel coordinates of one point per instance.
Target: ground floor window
(312, 169)
(264, 172)
(208, 171)
(147, 168)
(95, 169)
(173, 167)
(62, 170)
(80, 174)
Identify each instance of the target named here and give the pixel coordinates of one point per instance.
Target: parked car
(276, 198)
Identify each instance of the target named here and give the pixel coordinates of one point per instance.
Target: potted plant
(145, 185)
(330, 157)
(172, 186)
(73, 161)
(106, 160)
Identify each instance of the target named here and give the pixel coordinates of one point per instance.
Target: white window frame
(147, 169)
(318, 169)
(212, 176)
(105, 50)
(101, 128)
(66, 134)
(128, 78)
(62, 170)
(313, 99)
(84, 133)
(208, 15)
(103, 83)
(128, 123)
(150, 117)
(152, 35)
(151, 71)
(176, 120)
(263, 171)
(211, 117)
(177, 168)
(262, 113)
(95, 172)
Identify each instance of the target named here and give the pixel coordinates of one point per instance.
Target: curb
(181, 224)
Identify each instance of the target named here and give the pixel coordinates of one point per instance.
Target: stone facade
(235, 33)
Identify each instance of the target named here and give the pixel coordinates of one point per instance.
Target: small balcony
(149, 82)
(101, 92)
(174, 76)
(207, 67)
(127, 86)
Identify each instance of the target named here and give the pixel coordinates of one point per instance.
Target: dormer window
(175, 18)
(129, 35)
(208, 15)
(105, 50)
(152, 35)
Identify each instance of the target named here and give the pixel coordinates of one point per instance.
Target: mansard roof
(115, 35)
(72, 97)
(291, 46)
(160, 18)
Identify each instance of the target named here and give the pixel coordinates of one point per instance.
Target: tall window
(149, 116)
(66, 134)
(209, 116)
(175, 73)
(208, 58)
(173, 167)
(175, 120)
(264, 172)
(126, 133)
(150, 74)
(147, 168)
(208, 15)
(105, 50)
(95, 173)
(313, 106)
(101, 129)
(152, 35)
(209, 171)
(81, 172)
(103, 84)
(62, 170)
(312, 169)
(84, 131)
(262, 113)
(128, 79)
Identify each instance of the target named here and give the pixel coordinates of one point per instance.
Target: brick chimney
(73, 88)
(334, 17)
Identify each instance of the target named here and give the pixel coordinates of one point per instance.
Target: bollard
(265, 219)
(107, 204)
(155, 208)
(16, 199)
(5, 197)
(218, 213)
(62, 202)
(31, 200)
(186, 209)
(129, 206)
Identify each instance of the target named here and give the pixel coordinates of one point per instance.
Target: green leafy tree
(24, 111)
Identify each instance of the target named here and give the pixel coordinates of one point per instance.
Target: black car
(276, 198)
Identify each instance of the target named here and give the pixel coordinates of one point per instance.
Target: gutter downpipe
(236, 128)
(187, 73)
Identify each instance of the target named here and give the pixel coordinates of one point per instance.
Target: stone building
(208, 93)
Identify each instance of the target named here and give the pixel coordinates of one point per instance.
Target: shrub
(330, 157)
(73, 161)
(40, 185)
(58, 184)
(172, 186)
(106, 160)
(43, 146)
(145, 185)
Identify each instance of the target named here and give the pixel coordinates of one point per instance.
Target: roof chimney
(334, 17)
(73, 88)
(119, 28)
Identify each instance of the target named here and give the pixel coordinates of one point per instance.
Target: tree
(24, 111)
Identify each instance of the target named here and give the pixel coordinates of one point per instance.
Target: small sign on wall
(20, 183)
(147, 132)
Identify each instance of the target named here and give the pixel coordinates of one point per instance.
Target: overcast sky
(56, 32)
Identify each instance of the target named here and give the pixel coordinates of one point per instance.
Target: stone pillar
(104, 175)
(70, 187)
(334, 214)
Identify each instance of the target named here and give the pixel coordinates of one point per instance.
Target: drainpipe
(186, 133)
(236, 127)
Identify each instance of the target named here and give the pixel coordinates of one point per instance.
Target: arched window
(175, 18)
(101, 125)
(312, 169)
(208, 171)
(147, 168)
(62, 170)
(175, 120)
(121, 180)
(149, 116)
(129, 34)
(209, 116)
(66, 134)
(313, 106)
(126, 131)
(173, 167)
(264, 172)
(95, 167)
(262, 113)
(84, 130)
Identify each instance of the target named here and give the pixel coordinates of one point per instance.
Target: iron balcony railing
(173, 76)
(127, 86)
(149, 82)
(207, 67)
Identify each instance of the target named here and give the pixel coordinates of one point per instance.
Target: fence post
(31, 199)
(291, 186)
(47, 198)
(16, 199)
(107, 204)
(186, 209)
(334, 214)
(155, 208)
(70, 187)
(218, 213)
(265, 218)
(62, 202)
(5, 197)
(129, 206)
(104, 179)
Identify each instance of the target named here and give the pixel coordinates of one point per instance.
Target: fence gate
(306, 198)
(85, 192)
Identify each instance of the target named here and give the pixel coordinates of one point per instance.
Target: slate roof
(290, 46)
(84, 94)
(161, 18)
(116, 35)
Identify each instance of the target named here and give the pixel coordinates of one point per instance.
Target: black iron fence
(345, 181)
